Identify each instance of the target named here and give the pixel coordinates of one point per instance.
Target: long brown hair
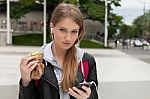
(70, 64)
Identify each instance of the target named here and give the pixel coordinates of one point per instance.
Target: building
(29, 23)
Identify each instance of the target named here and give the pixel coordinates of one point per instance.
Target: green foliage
(25, 3)
(115, 22)
(142, 24)
(75, 2)
(17, 10)
(127, 31)
(95, 11)
(115, 2)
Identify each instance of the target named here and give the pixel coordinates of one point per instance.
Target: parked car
(138, 43)
(145, 43)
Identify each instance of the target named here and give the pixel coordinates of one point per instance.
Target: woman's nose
(68, 36)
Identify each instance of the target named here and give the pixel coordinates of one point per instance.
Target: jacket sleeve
(26, 92)
(92, 76)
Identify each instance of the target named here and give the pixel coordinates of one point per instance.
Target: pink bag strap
(86, 68)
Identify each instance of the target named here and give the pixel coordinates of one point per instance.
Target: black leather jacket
(48, 87)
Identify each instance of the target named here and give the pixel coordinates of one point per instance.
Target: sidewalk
(120, 76)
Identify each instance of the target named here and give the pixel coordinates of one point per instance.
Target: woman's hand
(79, 94)
(27, 64)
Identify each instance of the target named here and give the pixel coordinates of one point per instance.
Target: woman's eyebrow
(66, 28)
(62, 27)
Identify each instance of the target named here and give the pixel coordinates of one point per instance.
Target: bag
(85, 67)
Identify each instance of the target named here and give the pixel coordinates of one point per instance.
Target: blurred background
(26, 18)
(124, 21)
(117, 35)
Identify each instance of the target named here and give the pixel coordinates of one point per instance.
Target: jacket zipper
(51, 84)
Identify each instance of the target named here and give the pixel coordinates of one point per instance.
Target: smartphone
(87, 84)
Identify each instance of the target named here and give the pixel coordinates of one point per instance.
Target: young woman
(62, 58)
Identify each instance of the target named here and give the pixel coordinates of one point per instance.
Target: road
(136, 52)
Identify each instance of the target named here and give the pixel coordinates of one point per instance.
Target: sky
(131, 9)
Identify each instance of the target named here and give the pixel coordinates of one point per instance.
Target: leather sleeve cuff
(25, 90)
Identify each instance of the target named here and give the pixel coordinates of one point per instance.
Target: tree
(19, 9)
(94, 9)
(142, 25)
(127, 31)
(115, 22)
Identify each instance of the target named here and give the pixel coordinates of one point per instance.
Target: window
(3, 24)
(22, 26)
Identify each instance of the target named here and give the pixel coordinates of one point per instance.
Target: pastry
(39, 69)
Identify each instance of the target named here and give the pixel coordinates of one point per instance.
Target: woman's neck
(58, 53)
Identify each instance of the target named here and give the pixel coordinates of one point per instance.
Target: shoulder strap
(86, 68)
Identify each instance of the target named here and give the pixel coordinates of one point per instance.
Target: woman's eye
(74, 31)
(62, 30)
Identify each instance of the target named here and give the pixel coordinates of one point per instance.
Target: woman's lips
(66, 43)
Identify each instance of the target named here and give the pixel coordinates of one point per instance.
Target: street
(136, 52)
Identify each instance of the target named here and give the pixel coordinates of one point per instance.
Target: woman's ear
(51, 27)
(51, 30)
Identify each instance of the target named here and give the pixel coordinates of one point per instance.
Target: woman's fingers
(26, 60)
(32, 66)
(87, 89)
(73, 93)
(77, 93)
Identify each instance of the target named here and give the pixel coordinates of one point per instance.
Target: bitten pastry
(39, 69)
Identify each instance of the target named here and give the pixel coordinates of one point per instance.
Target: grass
(37, 40)
(29, 40)
(90, 44)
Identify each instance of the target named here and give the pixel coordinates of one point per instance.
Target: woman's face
(65, 33)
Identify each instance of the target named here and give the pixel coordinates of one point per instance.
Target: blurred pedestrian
(116, 43)
(124, 44)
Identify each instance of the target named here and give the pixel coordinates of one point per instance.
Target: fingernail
(73, 87)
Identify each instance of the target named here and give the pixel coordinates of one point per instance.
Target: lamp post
(78, 5)
(106, 23)
(8, 22)
(44, 26)
(44, 19)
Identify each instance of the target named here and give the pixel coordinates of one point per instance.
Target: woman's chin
(67, 46)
